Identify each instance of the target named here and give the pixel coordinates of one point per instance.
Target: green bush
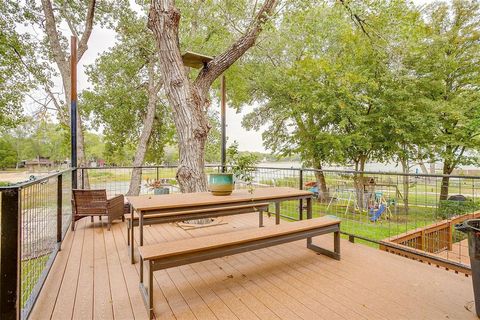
(450, 208)
(4, 184)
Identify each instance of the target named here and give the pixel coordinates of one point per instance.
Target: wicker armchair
(92, 203)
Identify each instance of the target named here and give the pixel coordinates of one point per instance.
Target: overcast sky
(102, 39)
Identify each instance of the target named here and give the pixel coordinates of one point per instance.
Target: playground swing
(339, 195)
(379, 207)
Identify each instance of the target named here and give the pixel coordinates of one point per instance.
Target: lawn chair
(95, 203)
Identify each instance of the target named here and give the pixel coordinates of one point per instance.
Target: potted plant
(240, 166)
(159, 186)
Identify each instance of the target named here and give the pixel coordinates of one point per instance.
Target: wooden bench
(192, 214)
(186, 251)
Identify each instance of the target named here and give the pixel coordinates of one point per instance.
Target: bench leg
(147, 293)
(335, 254)
(277, 212)
(260, 219)
(132, 245)
(128, 233)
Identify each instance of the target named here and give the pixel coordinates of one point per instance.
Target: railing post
(59, 210)
(157, 174)
(10, 267)
(450, 236)
(83, 178)
(300, 207)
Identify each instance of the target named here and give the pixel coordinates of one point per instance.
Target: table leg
(277, 212)
(300, 209)
(309, 216)
(260, 218)
(140, 226)
(309, 208)
(132, 241)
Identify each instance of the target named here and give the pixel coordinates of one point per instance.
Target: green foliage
(8, 156)
(451, 208)
(120, 95)
(45, 138)
(214, 141)
(14, 77)
(242, 165)
(445, 60)
(327, 92)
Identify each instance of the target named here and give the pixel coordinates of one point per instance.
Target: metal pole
(73, 107)
(222, 115)
(10, 266)
(59, 210)
(300, 205)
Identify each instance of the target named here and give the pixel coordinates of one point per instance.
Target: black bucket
(472, 229)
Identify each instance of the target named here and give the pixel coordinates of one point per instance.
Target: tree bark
(189, 100)
(406, 186)
(153, 89)
(447, 170)
(323, 194)
(359, 181)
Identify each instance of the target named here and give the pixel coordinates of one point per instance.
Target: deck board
(92, 278)
(84, 298)
(65, 300)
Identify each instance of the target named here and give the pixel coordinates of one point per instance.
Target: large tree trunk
(188, 103)
(447, 170)
(406, 186)
(323, 194)
(153, 89)
(359, 181)
(189, 100)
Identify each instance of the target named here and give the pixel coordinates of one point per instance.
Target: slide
(379, 212)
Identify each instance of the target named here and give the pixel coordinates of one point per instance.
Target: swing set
(377, 204)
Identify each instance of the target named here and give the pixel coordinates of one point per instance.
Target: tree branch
(52, 35)
(83, 44)
(356, 18)
(223, 61)
(71, 26)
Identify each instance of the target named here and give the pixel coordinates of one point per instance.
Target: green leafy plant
(450, 208)
(242, 165)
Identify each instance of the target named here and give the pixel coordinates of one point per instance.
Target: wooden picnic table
(177, 203)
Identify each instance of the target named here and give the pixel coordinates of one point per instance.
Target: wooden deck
(92, 278)
(459, 253)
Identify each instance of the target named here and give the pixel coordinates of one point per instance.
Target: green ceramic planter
(220, 184)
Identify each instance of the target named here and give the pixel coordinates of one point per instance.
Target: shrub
(450, 208)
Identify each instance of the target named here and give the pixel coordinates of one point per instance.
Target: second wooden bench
(186, 251)
(192, 214)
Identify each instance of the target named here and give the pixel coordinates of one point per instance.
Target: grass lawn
(358, 223)
(31, 271)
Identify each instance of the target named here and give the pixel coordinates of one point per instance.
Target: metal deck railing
(36, 214)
